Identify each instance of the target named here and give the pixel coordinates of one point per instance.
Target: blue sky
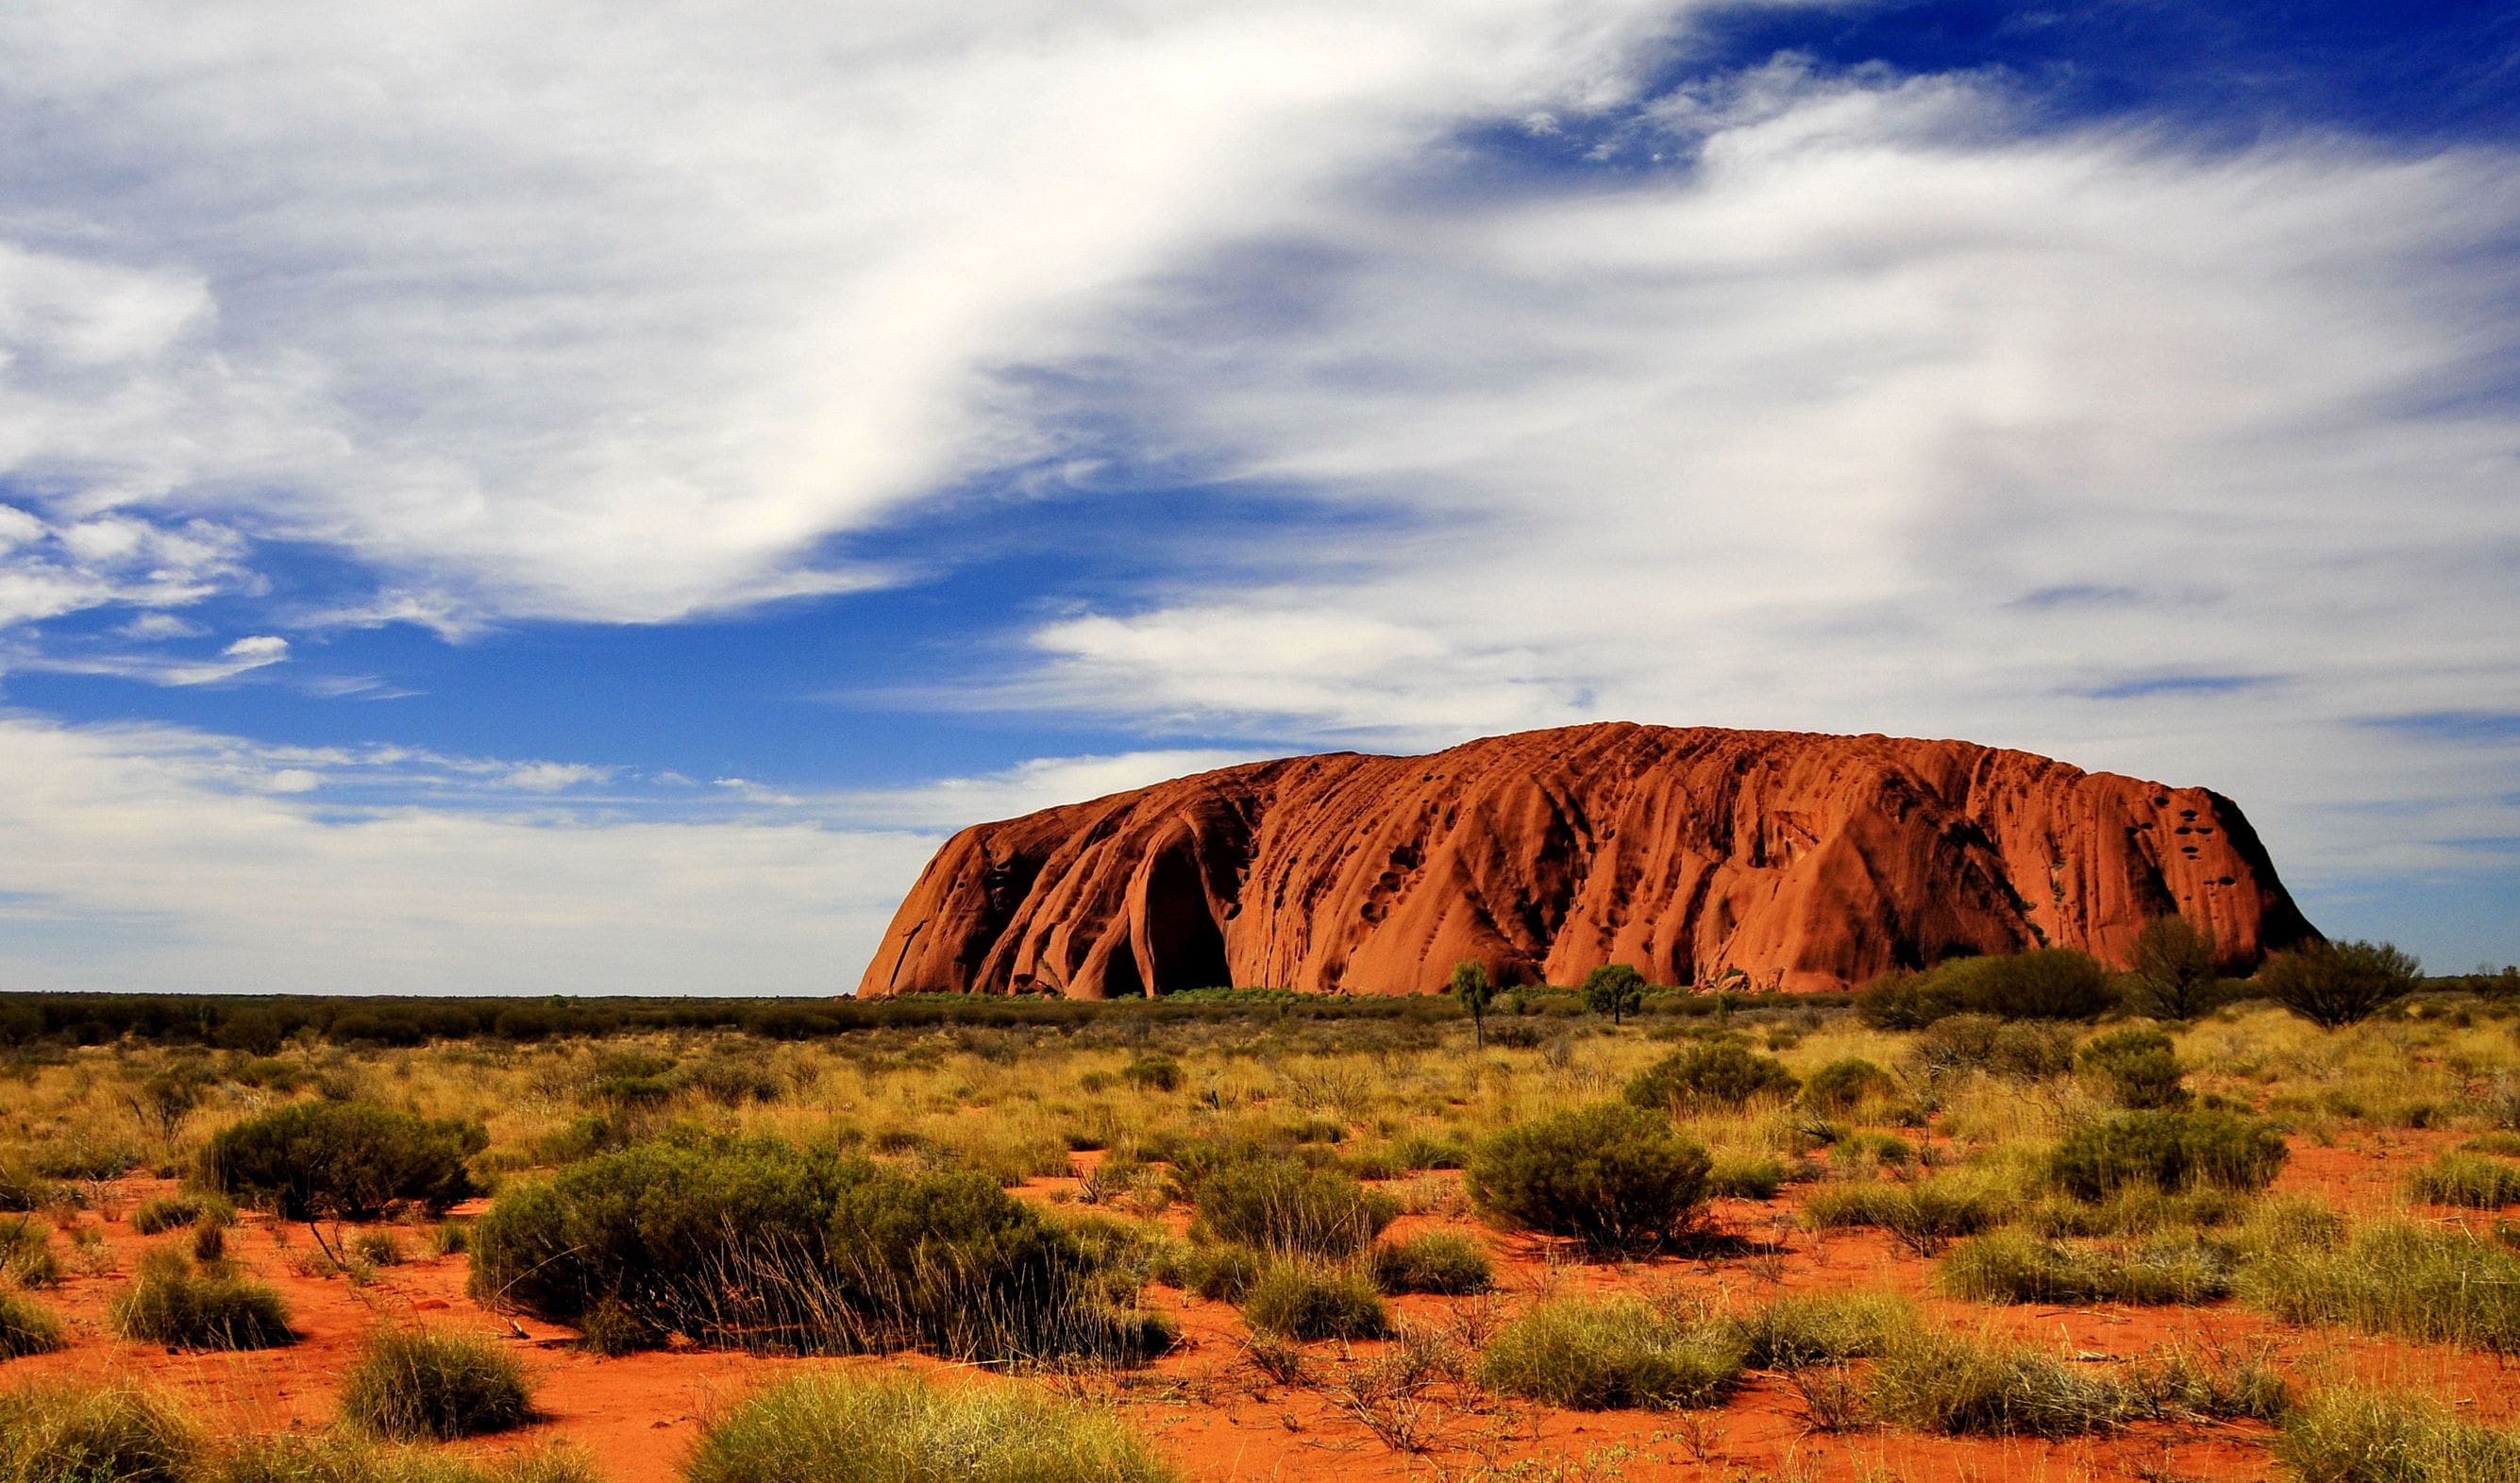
(516, 499)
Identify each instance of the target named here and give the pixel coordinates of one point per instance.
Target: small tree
(1614, 989)
(2333, 984)
(1473, 987)
(2173, 973)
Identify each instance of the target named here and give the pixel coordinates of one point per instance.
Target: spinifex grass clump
(764, 1244)
(1613, 1354)
(1438, 1261)
(341, 1456)
(342, 1158)
(1613, 1177)
(2363, 1436)
(169, 1212)
(1946, 1383)
(821, 1428)
(2392, 1276)
(1277, 1205)
(1924, 1216)
(63, 1433)
(1305, 1301)
(1712, 1076)
(2017, 1267)
(26, 1326)
(2167, 1150)
(2471, 1179)
(174, 1305)
(26, 1252)
(435, 1384)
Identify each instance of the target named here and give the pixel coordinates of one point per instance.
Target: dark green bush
(2138, 1068)
(1612, 1354)
(765, 1245)
(2340, 983)
(434, 1384)
(2174, 974)
(1220, 1272)
(1613, 1177)
(1711, 1076)
(173, 1305)
(1282, 1206)
(1304, 1302)
(344, 1159)
(829, 1428)
(2043, 983)
(1842, 1086)
(1438, 1261)
(26, 1326)
(71, 1434)
(2167, 1151)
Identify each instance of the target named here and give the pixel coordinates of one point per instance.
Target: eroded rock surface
(1805, 862)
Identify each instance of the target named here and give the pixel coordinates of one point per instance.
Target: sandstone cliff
(1806, 862)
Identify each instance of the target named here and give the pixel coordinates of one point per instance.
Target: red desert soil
(1806, 862)
(1208, 1408)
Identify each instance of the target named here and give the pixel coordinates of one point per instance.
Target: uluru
(1771, 860)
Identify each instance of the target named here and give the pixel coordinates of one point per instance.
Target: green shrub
(2134, 1210)
(2045, 983)
(2017, 1267)
(2167, 1151)
(1823, 1329)
(1934, 1381)
(26, 1326)
(2137, 1069)
(763, 1244)
(173, 1305)
(2443, 1287)
(2361, 1436)
(1430, 1151)
(821, 1428)
(1438, 1261)
(2466, 1179)
(1611, 1354)
(2338, 984)
(411, 1384)
(69, 1433)
(22, 1189)
(1284, 1207)
(1842, 1086)
(1924, 1216)
(344, 1159)
(1711, 1076)
(1304, 1302)
(2173, 974)
(1614, 1178)
(1614, 989)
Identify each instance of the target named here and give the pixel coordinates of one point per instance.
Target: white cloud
(1878, 420)
(543, 309)
(160, 859)
(950, 803)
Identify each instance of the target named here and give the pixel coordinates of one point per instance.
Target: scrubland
(1791, 1242)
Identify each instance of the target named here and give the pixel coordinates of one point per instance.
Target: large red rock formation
(1807, 862)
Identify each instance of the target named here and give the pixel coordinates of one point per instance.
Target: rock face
(1805, 862)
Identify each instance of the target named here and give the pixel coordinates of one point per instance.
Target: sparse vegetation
(2017, 1267)
(1435, 1261)
(816, 1429)
(1287, 1207)
(2334, 984)
(26, 1327)
(2472, 1180)
(1936, 1381)
(2167, 1150)
(2439, 1285)
(70, 1433)
(1305, 1301)
(1711, 1076)
(2364, 1436)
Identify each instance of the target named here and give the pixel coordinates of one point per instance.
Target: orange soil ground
(1209, 1410)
